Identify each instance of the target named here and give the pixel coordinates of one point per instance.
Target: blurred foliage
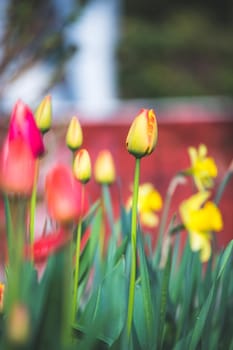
(186, 53)
(221, 12)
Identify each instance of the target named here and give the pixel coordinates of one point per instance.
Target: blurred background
(105, 59)
(94, 53)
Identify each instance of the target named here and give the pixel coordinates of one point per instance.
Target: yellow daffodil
(203, 168)
(149, 201)
(200, 218)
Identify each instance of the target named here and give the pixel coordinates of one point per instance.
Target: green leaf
(89, 217)
(203, 314)
(146, 293)
(106, 308)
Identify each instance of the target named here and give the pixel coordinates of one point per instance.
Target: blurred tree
(221, 11)
(32, 30)
(176, 48)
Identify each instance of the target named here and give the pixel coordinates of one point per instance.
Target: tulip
(23, 124)
(82, 166)
(48, 245)
(74, 135)
(141, 141)
(17, 167)
(2, 289)
(64, 195)
(104, 168)
(43, 114)
(143, 134)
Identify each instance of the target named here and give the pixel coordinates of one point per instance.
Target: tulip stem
(18, 214)
(77, 255)
(133, 247)
(33, 204)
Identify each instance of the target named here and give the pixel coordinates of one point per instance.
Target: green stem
(133, 247)
(108, 205)
(16, 257)
(77, 255)
(175, 181)
(9, 229)
(223, 184)
(33, 205)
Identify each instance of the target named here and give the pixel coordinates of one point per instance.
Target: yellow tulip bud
(74, 135)
(43, 114)
(82, 166)
(105, 168)
(18, 326)
(143, 134)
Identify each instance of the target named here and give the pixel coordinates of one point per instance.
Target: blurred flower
(74, 135)
(63, 195)
(18, 324)
(2, 289)
(46, 246)
(202, 168)
(22, 124)
(200, 220)
(143, 134)
(43, 114)
(82, 166)
(104, 169)
(149, 201)
(17, 167)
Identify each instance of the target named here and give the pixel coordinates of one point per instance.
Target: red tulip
(23, 124)
(17, 167)
(64, 195)
(48, 245)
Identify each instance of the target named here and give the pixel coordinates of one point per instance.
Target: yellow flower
(203, 168)
(149, 201)
(82, 166)
(143, 134)
(104, 169)
(200, 218)
(2, 288)
(43, 114)
(74, 135)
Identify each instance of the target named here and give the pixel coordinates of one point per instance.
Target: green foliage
(179, 305)
(184, 54)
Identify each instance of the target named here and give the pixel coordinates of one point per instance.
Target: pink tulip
(23, 124)
(64, 195)
(17, 167)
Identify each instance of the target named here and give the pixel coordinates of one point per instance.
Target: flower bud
(82, 166)
(17, 167)
(63, 195)
(74, 135)
(22, 124)
(143, 134)
(105, 168)
(18, 325)
(43, 114)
